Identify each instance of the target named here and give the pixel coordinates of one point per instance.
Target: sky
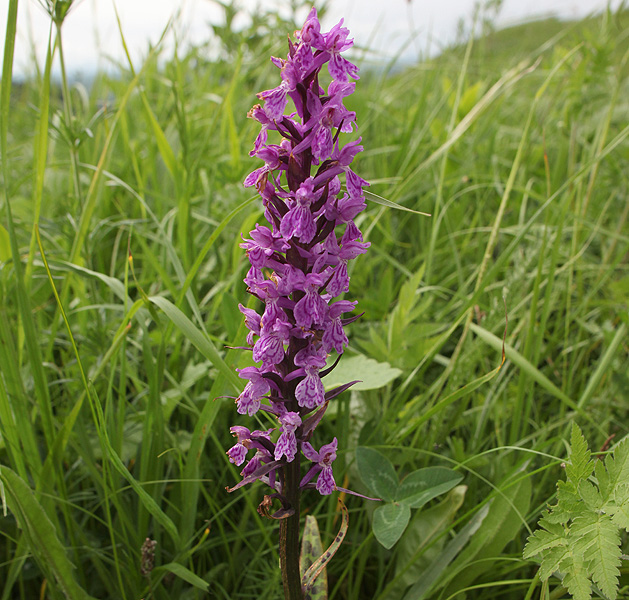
(91, 39)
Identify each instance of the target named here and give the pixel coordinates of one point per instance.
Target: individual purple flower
(275, 100)
(355, 185)
(246, 441)
(286, 444)
(238, 452)
(271, 155)
(310, 33)
(313, 355)
(270, 346)
(345, 209)
(249, 401)
(324, 117)
(350, 246)
(312, 308)
(257, 460)
(252, 321)
(334, 337)
(257, 113)
(309, 391)
(299, 221)
(339, 282)
(336, 42)
(262, 246)
(322, 465)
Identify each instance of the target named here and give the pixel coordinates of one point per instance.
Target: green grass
(122, 271)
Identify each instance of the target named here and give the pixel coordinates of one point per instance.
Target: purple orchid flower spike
(299, 266)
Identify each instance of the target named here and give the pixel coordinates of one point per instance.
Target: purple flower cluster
(299, 261)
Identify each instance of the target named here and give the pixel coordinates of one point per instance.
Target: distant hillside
(516, 42)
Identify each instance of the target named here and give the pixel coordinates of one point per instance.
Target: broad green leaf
(371, 374)
(311, 550)
(41, 535)
(389, 523)
(377, 473)
(185, 574)
(423, 485)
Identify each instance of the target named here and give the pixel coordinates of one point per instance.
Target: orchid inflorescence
(299, 262)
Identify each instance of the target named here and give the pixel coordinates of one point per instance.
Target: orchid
(299, 265)
(299, 260)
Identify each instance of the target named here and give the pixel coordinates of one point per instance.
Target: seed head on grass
(148, 557)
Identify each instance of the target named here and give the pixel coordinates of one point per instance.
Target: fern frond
(602, 479)
(580, 465)
(590, 495)
(550, 536)
(579, 536)
(576, 580)
(596, 538)
(617, 465)
(619, 510)
(569, 502)
(553, 561)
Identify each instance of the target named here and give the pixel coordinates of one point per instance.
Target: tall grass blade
(535, 374)
(604, 365)
(183, 573)
(41, 535)
(41, 148)
(30, 333)
(441, 562)
(99, 420)
(202, 343)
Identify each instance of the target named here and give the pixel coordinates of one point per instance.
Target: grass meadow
(121, 272)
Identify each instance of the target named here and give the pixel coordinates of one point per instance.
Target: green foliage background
(112, 425)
